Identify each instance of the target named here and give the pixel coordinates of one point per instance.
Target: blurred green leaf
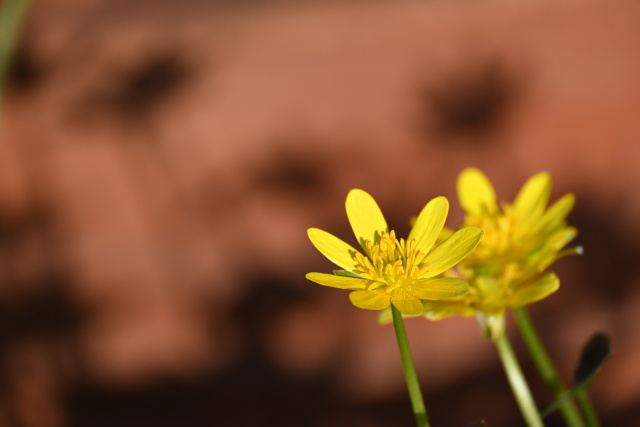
(594, 353)
(481, 423)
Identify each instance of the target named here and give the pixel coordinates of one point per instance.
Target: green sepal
(346, 273)
(492, 326)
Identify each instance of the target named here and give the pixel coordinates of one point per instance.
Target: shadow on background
(160, 163)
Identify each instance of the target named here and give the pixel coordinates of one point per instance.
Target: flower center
(391, 262)
(504, 237)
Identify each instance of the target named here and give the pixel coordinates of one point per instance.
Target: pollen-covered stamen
(391, 262)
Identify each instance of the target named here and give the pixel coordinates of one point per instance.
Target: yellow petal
(340, 282)
(555, 216)
(476, 193)
(430, 223)
(452, 251)
(436, 310)
(440, 288)
(339, 252)
(385, 316)
(533, 197)
(407, 304)
(445, 234)
(545, 286)
(561, 238)
(552, 249)
(370, 300)
(365, 216)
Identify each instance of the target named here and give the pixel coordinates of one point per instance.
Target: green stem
(589, 413)
(518, 384)
(545, 367)
(415, 394)
(11, 17)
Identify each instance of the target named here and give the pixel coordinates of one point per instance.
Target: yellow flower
(520, 241)
(391, 270)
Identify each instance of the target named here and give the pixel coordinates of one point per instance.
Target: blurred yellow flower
(520, 241)
(391, 270)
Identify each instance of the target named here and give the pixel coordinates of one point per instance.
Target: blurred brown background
(160, 162)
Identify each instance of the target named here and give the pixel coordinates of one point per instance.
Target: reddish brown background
(160, 162)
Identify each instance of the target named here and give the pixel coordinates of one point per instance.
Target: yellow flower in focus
(391, 270)
(520, 241)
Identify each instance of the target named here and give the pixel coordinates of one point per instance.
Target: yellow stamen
(391, 263)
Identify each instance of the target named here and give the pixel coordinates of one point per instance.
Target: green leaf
(594, 353)
(481, 423)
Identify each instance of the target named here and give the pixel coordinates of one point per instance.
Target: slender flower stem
(589, 413)
(545, 366)
(415, 394)
(517, 381)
